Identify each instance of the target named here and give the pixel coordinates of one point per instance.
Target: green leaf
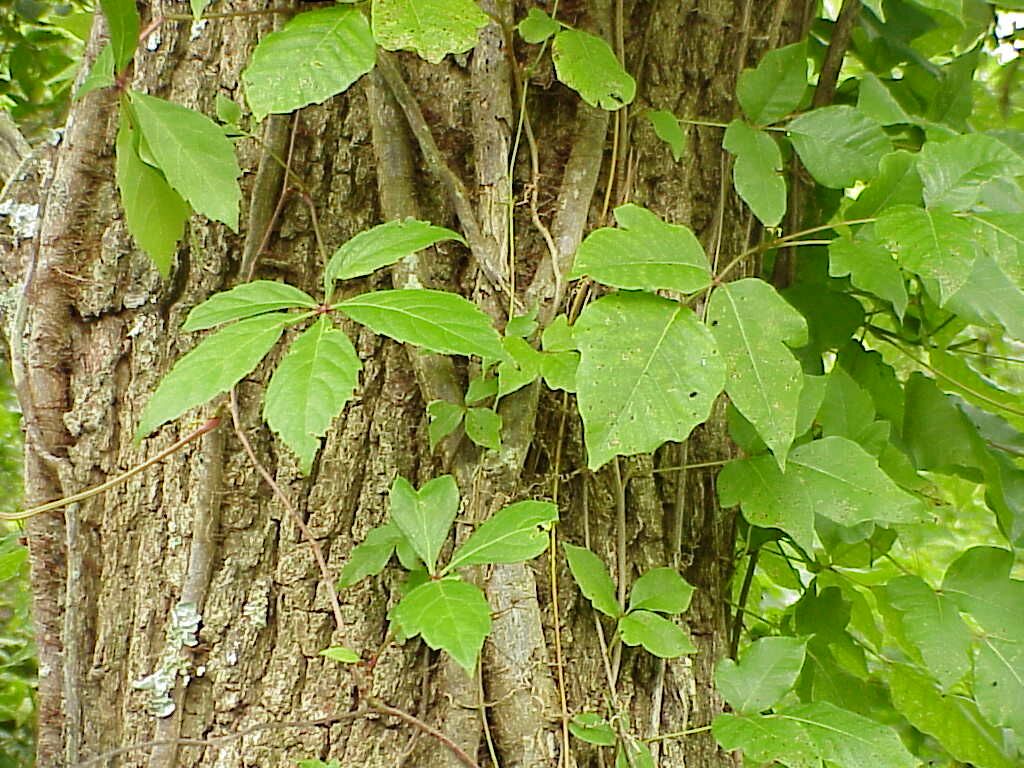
(383, 246)
(766, 739)
(445, 418)
(955, 171)
(557, 337)
(432, 28)
(668, 128)
(341, 654)
(370, 557)
(662, 590)
(11, 562)
(999, 679)
(522, 367)
(101, 73)
(216, 365)
(246, 300)
(198, 6)
(155, 213)
(559, 370)
(633, 753)
(953, 721)
(979, 583)
(310, 387)
(522, 326)
(756, 172)
(849, 740)
(752, 325)
(649, 372)
(194, 155)
(587, 64)
(425, 517)
(483, 427)
(517, 533)
(123, 24)
(876, 101)
(776, 87)
(871, 268)
(897, 183)
(766, 671)
(316, 55)
(228, 111)
(537, 26)
(593, 729)
(656, 634)
(839, 145)
(436, 320)
(450, 615)
(644, 252)
(593, 579)
(936, 245)
(480, 389)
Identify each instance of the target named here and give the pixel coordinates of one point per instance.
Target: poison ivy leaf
(432, 28)
(954, 171)
(101, 74)
(871, 268)
(752, 325)
(480, 389)
(990, 296)
(849, 740)
(522, 367)
(310, 387)
(847, 409)
(932, 625)
(216, 365)
(897, 183)
(999, 681)
(449, 615)
(436, 320)
(557, 337)
(123, 23)
(668, 129)
(483, 427)
(662, 590)
(593, 579)
(765, 672)
(776, 87)
(756, 173)
(649, 372)
(155, 213)
(341, 654)
(425, 516)
(370, 557)
(955, 374)
(934, 244)
(954, 721)
(766, 739)
(194, 155)
(656, 634)
(593, 729)
(517, 533)
(876, 101)
(316, 55)
(522, 326)
(587, 64)
(559, 370)
(643, 252)
(445, 418)
(537, 26)
(382, 246)
(246, 300)
(838, 145)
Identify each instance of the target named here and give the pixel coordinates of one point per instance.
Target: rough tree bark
(93, 328)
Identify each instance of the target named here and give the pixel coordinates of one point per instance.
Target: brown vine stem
(88, 493)
(379, 706)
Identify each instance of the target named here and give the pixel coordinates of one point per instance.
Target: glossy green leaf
(593, 729)
(316, 55)
(372, 555)
(445, 418)
(483, 427)
(341, 654)
(643, 252)
(587, 64)
(155, 213)
(954, 721)
(656, 634)
(763, 675)
(436, 320)
(662, 590)
(101, 73)
(756, 173)
(425, 516)
(215, 366)
(838, 145)
(537, 26)
(990, 297)
(123, 25)
(870, 266)
(432, 28)
(197, 159)
(450, 615)
(668, 128)
(592, 577)
(516, 533)
(649, 372)
(766, 739)
(383, 246)
(246, 300)
(753, 325)
(776, 87)
(955, 171)
(310, 387)
(897, 183)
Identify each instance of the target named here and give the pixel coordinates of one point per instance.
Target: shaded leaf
(656, 634)
(483, 427)
(765, 672)
(776, 87)
(668, 129)
(123, 24)
(593, 729)
(587, 64)
(766, 739)
(341, 654)
(850, 740)
(445, 418)
(897, 183)
(838, 145)
(101, 73)
(246, 300)
(662, 590)
(757, 171)
(450, 615)
(372, 555)
(593, 580)
(871, 268)
(537, 26)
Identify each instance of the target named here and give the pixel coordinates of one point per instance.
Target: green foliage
(667, 128)
(432, 28)
(587, 64)
(756, 173)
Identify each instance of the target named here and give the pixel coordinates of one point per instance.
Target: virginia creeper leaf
(756, 173)
(593, 580)
(661, 590)
(432, 28)
(838, 145)
(516, 533)
(656, 634)
(587, 64)
(123, 24)
(445, 418)
(371, 556)
(537, 26)
(593, 729)
(483, 427)
(450, 615)
(776, 87)
(954, 171)
(425, 516)
(246, 300)
(764, 673)
(668, 129)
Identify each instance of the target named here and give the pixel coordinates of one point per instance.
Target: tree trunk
(97, 328)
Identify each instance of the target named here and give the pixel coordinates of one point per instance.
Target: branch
(837, 45)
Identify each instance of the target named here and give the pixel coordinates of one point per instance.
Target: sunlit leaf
(776, 87)
(764, 673)
(587, 64)
(425, 516)
(658, 635)
(432, 28)
(592, 577)
(246, 300)
(516, 533)
(450, 615)
(838, 145)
